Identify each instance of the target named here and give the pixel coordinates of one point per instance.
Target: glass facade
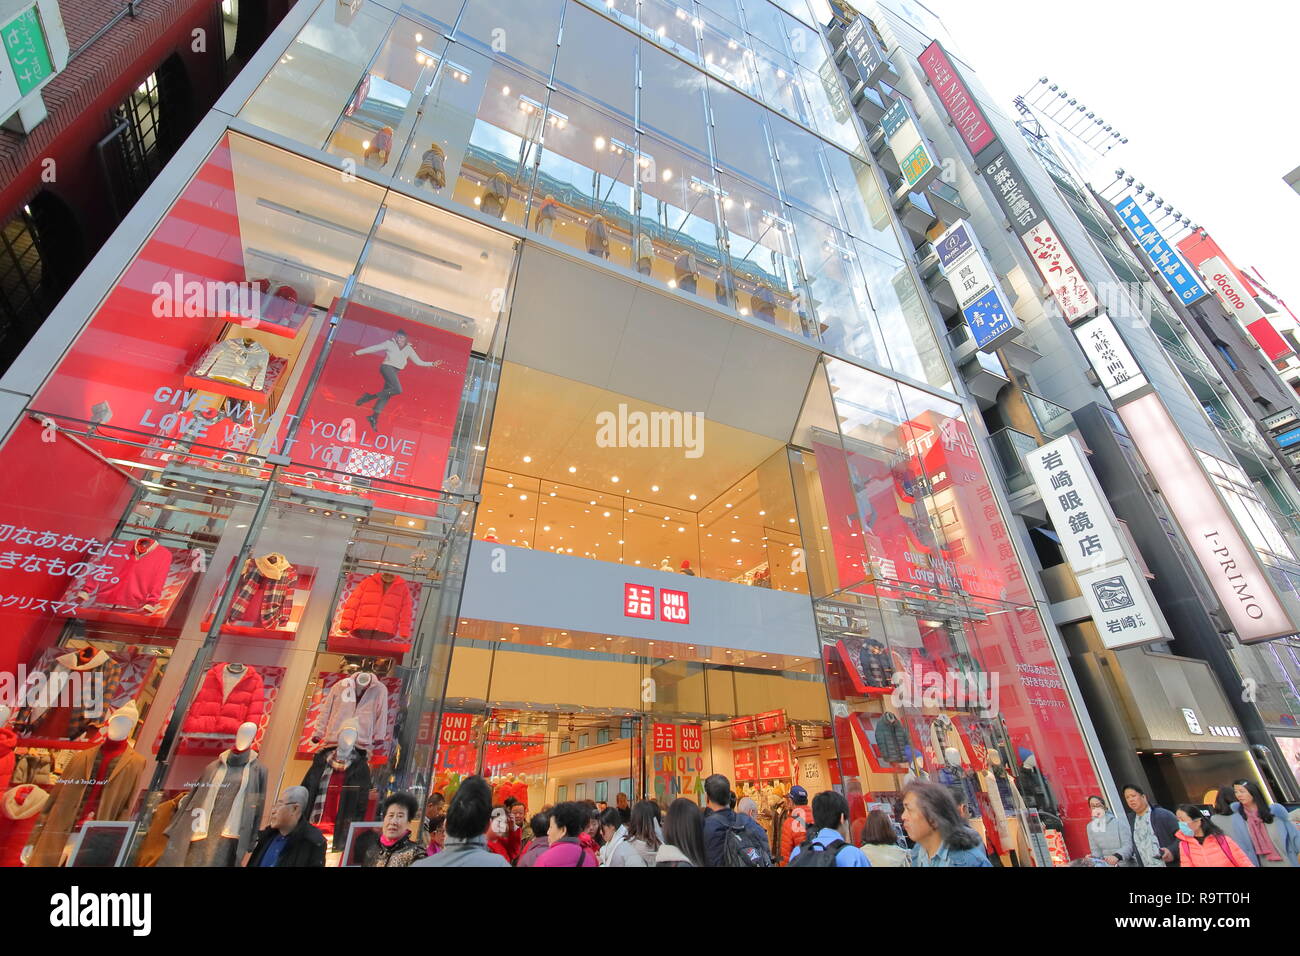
(364, 467)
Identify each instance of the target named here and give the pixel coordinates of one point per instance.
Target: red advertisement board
(773, 761)
(665, 738)
(745, 763)
(639, 601)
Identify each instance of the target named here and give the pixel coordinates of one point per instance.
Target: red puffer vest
(373, 607)
(214, 713)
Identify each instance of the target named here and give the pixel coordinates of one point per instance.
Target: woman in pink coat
(1201, 843)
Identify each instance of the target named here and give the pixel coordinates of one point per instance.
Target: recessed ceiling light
(573, 469)
(523, 497)
(654, 487)
(692, 497)
(527, 459)
(614, 479)
(728, 505)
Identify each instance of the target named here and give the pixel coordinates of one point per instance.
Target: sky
(1203, 91)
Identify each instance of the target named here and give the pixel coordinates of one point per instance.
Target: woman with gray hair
(934, 823)
(290, 840)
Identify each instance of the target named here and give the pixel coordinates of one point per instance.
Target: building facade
(1180, 615)
(553, 393)
(110, 92)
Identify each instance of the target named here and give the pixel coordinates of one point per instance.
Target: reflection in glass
(764, 267)
(585, 181)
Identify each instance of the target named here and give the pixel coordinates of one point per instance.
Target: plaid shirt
(277, 599)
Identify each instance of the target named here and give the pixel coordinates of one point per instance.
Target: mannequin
(338, 783)
(360, 698)
(115, 768)
(217, 821)
(79, 676)
(959, 782)
(1033, 785)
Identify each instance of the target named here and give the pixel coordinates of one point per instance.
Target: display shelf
(54, 743)
(301, 591)
(275, 370)
(288, 327)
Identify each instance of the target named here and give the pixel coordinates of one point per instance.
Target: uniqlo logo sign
(674, 606)
(692, 739)
(665, 738)
(639, 601)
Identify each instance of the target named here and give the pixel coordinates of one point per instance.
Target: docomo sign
(1237, 301)
(1242, 587)
(967, 118)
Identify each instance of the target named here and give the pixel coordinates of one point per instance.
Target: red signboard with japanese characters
(1069, 288)
(665, 738)
(639, 601)
(692, 739)
(758, 725)
(773, 761)
(745, 762)
(674, 606)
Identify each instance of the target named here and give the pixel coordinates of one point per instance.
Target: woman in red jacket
(1201, 843)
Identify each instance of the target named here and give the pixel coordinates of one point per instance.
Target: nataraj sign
(1242, 586)
(967, 117)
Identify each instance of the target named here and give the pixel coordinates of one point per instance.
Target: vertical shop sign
(979, 296)
(27, 57)
(1240, 302)
(967, 117)
(1165, 259)
(1241, 584)
(908, 146)
(665, 738)
(1012, 192)
(861, 47)
(639, 601)
(1109, 357)
(1117, 596)
(1072, 294)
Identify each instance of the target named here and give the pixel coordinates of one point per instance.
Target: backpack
(814, 854)
(742, 847)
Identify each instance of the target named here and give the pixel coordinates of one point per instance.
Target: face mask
(1185, 827)
(1098, 812)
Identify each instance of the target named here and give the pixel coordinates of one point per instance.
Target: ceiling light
(573, 469)
(654, 487)
(528, 459)
(614, 479)
(523, 497)
(692, 497)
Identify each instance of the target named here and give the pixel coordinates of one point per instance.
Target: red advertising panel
(385, 404)
(758, 725)
(639, 601)
(745, 761)
(692, 739)
(674, 606)
(773, 761)
(665, 738)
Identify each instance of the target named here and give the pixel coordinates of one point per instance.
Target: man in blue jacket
(1155, 829)
(831, 822)
(721, 819)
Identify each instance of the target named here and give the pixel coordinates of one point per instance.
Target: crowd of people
(1244, 829)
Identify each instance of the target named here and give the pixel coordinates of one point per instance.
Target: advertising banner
(1240, 303)
(1166, 259)
(1071, 292)
(1242, 586)
(745, 762)
(1109, 356)
(967, 117)
(773, 761)
(1012, 193)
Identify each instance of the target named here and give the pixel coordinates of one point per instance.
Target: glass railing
(1010, 447)
(948, 194)
(1052, 420)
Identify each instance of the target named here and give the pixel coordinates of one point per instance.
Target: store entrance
(543, 758)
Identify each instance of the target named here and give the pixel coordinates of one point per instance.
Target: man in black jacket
(290, 840)
(1155, 829)
(722, 819)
